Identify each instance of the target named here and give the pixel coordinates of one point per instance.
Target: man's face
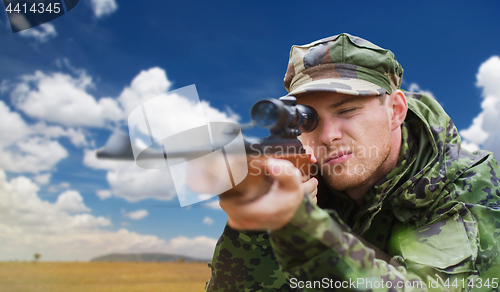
(352, 140)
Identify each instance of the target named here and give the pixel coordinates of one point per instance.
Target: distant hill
(145, 257)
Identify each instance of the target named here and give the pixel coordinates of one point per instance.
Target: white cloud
(146, 85)
(41, 33)
(63, 99)
(12, 126)
(67, 229)
(130, 182)
(208, 221)
(475, 133)
(102, 8)
(75, 135)
(71, 202)
(32, 148)
(33, 154)
(65, 108)
(59, 187)
(200, 246)
(104, 194)
(29, 224)
(133, 183)
(488, 76)
(213, 204)
(43, 179)
(484, 132)
(136, 215)
(25, 219)
(126, 179)
(173, 113)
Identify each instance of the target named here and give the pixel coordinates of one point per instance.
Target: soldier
(400, 205)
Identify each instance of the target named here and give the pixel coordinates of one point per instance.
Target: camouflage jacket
(436, 215)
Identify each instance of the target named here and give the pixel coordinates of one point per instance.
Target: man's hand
(276, 208)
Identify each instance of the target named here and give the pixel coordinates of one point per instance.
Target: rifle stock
(244, 175)
(258, 181)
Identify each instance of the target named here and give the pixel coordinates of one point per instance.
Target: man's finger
(284, 172)
(310, 186)
(311, 189)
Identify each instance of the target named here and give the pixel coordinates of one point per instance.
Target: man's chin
(343, 182)
(343, 172)
(349, 177)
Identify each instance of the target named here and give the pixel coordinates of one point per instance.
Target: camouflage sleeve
(454, 249)
(319, 253)
(478, 191)
(245, 261)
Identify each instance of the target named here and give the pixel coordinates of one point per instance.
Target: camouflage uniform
(436, 214)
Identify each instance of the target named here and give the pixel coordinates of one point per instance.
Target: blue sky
(56, 200)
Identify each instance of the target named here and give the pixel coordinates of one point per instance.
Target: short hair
(382, 98)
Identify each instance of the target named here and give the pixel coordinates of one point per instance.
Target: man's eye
(346, 111)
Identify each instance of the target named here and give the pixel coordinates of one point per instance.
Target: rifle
(285, 121)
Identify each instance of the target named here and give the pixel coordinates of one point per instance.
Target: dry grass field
(86, 277)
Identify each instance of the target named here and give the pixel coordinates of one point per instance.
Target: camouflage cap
(345, 64)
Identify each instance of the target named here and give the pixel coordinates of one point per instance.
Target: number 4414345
(35, 8)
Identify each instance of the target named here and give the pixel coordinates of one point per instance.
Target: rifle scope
(284, 116)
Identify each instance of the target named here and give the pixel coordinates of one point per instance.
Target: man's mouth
(338, 157)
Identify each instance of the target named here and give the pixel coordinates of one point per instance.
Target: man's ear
(399, 107)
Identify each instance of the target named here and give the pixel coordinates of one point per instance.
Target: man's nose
(330, 132)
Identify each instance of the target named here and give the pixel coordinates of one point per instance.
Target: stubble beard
(359, 170)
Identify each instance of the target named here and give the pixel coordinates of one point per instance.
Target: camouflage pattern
(245, 261)
(436, 214)
(345, 64)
